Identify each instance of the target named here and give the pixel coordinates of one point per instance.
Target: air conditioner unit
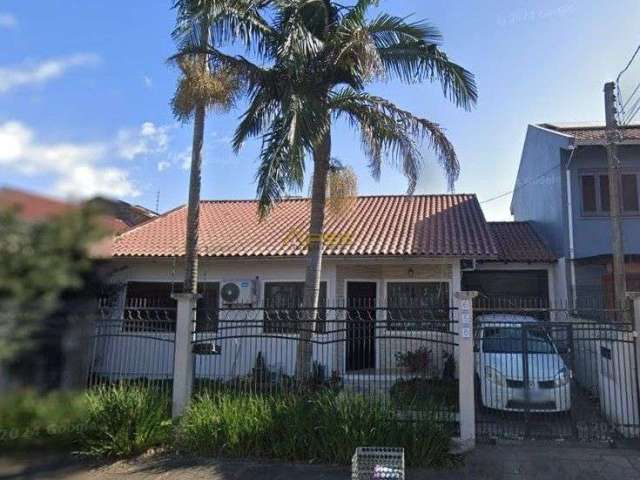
(468, 264)
(238, 292)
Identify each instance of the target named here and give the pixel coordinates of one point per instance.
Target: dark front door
(361, 327)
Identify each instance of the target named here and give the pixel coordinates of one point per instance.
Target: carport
(516, 284)
(521, 276)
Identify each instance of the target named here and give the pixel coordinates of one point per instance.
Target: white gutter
(572, 266)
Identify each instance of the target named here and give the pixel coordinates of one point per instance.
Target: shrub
(125, 420)
(415, 362)
(321, 427)
(425, 394)
(30, 420)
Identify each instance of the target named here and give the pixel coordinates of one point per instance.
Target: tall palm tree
(200, 88)
(319, 58)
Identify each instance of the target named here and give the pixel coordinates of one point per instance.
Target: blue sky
(84, 94)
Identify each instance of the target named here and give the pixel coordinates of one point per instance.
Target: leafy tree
(316, 58)
(40, 265)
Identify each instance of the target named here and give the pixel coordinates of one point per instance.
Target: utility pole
(619, 280)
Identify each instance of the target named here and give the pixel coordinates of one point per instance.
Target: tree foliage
(313, 62)
(314, 59)
(39, 264)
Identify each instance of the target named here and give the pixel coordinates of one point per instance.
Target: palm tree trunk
(321, 162)
(193, 208)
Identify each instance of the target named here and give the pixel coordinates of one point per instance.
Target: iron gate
(571, 379)
(400, 360)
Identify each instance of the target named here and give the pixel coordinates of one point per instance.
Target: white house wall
(389, 343)
(239, 347)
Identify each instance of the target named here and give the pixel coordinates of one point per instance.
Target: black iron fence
(406, 361)
(539, 372)
(404, 357)
(563, 377)
(133, 343)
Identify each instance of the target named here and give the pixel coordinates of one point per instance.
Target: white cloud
(148, 139)
(183, 159)
(163, 165)
(148, 81)
(75, 168)
(30, 73)
(87, 180)
(7, 20)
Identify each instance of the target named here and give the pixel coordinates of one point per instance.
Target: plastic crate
(377, 463)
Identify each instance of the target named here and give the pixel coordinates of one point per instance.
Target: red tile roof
(424, 225)
(32, 207)
(114, 216)
(518, 242)
(595, 134)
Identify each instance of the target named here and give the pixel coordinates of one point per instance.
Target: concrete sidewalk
(529, 461)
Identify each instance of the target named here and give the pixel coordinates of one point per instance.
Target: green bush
(125, 420)
(425, 394)
(30, 420)
(324, 427)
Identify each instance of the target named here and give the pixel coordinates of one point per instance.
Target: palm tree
(319, 57)
(200, 88)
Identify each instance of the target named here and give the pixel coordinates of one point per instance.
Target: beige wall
(384, 272)
(336, 272)
(388, 343)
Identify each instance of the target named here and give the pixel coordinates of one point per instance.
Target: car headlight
(562, 377)
(494, 376)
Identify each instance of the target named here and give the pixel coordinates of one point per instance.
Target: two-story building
(562, 190)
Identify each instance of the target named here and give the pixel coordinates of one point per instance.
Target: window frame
(169, 309)
(598, 176)
(636, 211)
(431, 327)
(596, 194)
(321, 324)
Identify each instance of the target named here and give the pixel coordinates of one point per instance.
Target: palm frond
(418, 61)
(262, 110)
(389, 30)
(281, 163)
(290, 137)
(230, 21)
(357, 13)
(391, 133)
(299, 23)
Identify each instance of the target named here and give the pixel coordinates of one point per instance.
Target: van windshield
(509, 340)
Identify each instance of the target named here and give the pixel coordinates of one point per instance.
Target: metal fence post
(635, 297)
(183, 353)
(466, 374)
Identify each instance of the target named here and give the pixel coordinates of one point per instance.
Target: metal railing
(133, 344)
(566, 377)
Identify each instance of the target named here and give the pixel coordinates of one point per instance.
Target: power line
(633, 57)
(635, 109)
(632, 113)
(625, 118)
(635, 90)
(522, 185)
